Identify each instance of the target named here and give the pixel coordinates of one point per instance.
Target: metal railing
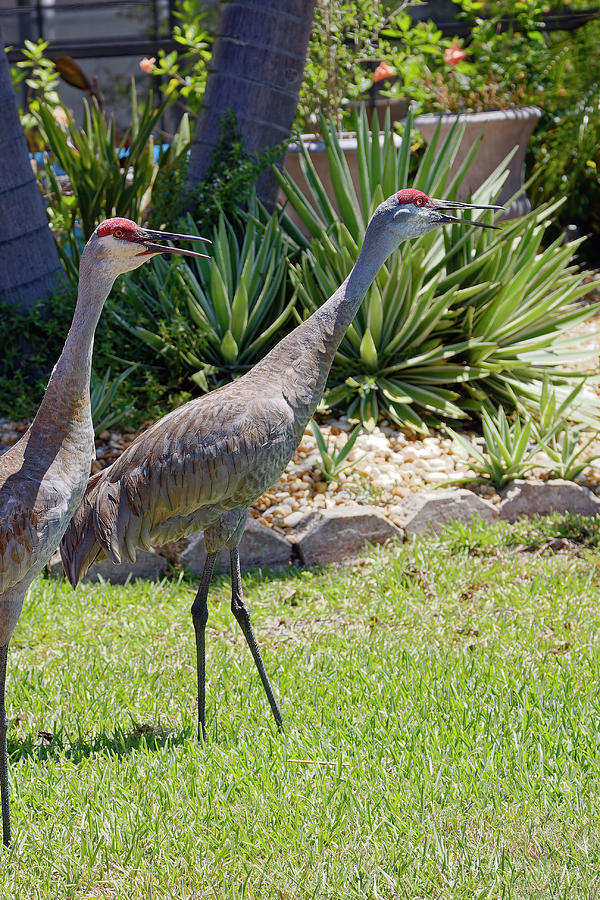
(151, 24)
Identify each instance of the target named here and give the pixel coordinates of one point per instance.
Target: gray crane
(201, 466)
(43, 477)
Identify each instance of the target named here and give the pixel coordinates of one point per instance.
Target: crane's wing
(32, 517)
(19, 541)
(79, 547)
(212, 454)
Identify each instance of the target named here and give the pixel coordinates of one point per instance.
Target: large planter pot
(396, 106)
(501, 130)
(318, 155)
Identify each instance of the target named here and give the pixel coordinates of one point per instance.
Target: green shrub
(107, 409)
(565, 149)
(182, 72)
(225, 189)
(33, 340)
(39, 76)
(458, 320)
(345, 33)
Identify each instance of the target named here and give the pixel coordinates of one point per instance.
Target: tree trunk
(29, 265)
(256, 70)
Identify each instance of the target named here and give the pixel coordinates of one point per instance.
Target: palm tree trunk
(256, 70)
(29, 265)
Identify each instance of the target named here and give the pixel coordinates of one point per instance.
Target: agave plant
(567, 454)
(106, 411)
(108, 175)
(332, 462)
(215, 317)
(460, 319)
(565, 444)
(517, 323)
(510, 449)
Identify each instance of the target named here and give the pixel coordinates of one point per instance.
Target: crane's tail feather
(80, 546)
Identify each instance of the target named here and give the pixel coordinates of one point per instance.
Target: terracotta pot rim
(488, 115)
(348, 141)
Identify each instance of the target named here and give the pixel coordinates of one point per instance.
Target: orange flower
(382, 72)
(147, 64)
(454, 54)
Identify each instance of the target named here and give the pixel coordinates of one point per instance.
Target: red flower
(454, 54)
(147, 64)
(382, 72)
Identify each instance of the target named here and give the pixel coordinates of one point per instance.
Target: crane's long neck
(65, 408)
(302, 360)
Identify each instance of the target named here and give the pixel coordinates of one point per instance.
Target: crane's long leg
(4, 751)
(200, 618)
(242, 614)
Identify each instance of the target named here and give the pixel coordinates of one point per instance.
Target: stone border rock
(529, 498)
(333, 535)
(339, 534)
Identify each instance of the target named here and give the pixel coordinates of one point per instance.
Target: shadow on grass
(119, 743)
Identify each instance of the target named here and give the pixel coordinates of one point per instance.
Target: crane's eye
(419, 201)
(118, 232)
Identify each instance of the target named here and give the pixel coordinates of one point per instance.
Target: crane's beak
(147, 238)
(456, 204)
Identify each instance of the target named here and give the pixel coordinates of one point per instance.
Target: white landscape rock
(528, 498)
(431, 510)
(293, 519)
(259, 546)
(338, 533)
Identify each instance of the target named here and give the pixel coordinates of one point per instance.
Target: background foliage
(565, 150)
(459, 323)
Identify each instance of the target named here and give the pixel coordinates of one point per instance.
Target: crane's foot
(199, 618)
(242, 615)
(6, 836)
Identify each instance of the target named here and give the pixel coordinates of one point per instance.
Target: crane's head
(120, 245)
(413, 213)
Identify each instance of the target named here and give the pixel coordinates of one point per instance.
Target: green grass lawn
(442, 706)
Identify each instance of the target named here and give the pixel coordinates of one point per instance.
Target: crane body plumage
(202, 465)
(43, 476)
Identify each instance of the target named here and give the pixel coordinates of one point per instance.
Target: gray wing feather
(19, 542)
(32, 521)
(79, 547)
(212, 454)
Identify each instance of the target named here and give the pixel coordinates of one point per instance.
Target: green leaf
(343, 453)
(368, 351)
(239, 311)
(229, 348)
(220, 300)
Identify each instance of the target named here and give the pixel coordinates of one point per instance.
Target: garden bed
(385, 469)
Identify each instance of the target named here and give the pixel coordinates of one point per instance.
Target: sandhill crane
(202, 465)
(43, 477)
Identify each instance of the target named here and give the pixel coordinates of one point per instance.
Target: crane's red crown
(411, 195)
(119, 227)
